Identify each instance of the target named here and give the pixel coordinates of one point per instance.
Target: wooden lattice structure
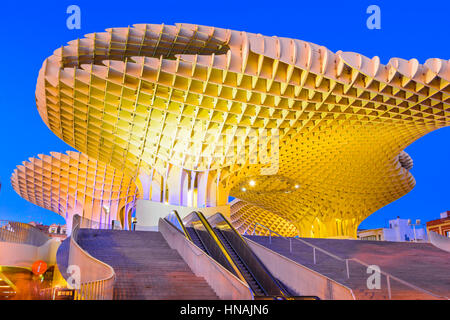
(150, 97)
(75, 183)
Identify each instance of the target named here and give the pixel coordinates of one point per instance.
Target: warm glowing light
(252, 183)
(204, 86)
(94, 188)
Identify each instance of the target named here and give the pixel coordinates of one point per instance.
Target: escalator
(202, 235)
(189, 232)
(195, 238)
(257, 289)
(217, 238)
(175, 220)
(259, 279)
(197, 230)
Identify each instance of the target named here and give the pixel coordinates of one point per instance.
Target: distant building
(54, 230)
(371, 234)
(57, 230)
(442, 225)
(40, 226)
(399, 230)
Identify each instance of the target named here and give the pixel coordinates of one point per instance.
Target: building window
(369, 238)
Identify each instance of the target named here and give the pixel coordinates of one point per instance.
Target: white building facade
(399, 230)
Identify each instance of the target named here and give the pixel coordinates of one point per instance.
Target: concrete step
(146, 267)
(420, 264)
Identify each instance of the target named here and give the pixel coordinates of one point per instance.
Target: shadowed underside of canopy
(73, 183)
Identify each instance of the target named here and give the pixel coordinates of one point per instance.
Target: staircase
(420, 264)
(146, 267)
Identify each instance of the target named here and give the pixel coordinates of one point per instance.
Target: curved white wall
(23, 255)
(439, 241)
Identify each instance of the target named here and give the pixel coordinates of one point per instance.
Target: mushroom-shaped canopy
(150, 96)
(74, 183)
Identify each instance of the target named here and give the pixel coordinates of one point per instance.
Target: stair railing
(85, 223)
(19, 232)
(270, 235)
(388, 276)
(97, 279)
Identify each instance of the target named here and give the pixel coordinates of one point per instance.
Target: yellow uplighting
(73, 182)
(158, 97)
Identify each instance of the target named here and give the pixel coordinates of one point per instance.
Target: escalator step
(245, 272)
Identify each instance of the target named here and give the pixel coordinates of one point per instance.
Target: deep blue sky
(31, 31)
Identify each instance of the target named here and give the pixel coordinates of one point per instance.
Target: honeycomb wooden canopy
(148, 96)
(250, 219)
(73, 183)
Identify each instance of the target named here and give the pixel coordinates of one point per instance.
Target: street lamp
(106, 208)
(418, 223)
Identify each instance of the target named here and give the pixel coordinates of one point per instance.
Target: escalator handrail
(283, 291)
(243, 262)
(219, 243)
(230, 225)
(188, 236)
(174, 226)
(180, 221)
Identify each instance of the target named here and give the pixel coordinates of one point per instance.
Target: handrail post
(389, 287)
(346, 267)
(270, 236)
(357, 261)
(314, 255)
(290, 245)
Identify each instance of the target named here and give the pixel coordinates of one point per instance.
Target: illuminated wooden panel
(74, 183)
(244, 216)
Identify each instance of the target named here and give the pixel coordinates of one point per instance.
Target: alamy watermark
(374, 20)
(263, 146)
(74, 20)
(74, 279)
(374, 280)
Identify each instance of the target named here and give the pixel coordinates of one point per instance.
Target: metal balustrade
(97, 278)
(389, 277)
(19, 232)
(85, 223)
